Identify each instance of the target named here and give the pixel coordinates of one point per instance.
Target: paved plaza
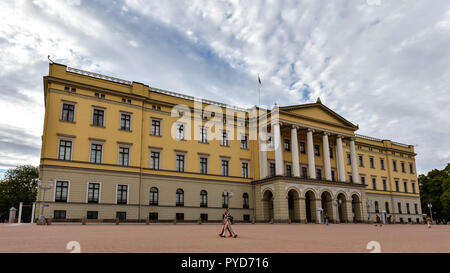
(341, 238)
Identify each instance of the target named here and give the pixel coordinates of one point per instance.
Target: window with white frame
(96, 153)
(224, 140)
(98, 117)
(225, 167)
(93, 192)
(203, 134)
(61, 191)
(244, 141)
(124, 155)
(155, 159)
(179, 162)
(156, 127)
(68, 112)
(203, 165)
(180, 131)
(122, 194)
(65, 149)
(125, 121)
(245, 171)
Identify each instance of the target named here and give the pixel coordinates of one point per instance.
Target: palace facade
(112, 148)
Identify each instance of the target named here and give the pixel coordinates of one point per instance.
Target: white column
(278, 149)
(262, 156)
(355, 174)
(20, 212)
(33, 210)
(310, 149)
(340, 158)
(294, 149)
(326, 156)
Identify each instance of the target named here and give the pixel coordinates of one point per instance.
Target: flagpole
(259, 89)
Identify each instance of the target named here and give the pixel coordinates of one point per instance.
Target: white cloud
(381, 64)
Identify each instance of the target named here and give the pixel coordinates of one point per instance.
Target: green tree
(18, 185)
(435, 189)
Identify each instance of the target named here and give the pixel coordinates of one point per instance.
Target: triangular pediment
(317, 111)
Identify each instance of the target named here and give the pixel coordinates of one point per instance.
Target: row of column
(279, 164)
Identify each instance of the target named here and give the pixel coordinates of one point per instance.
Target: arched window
(154, 196)
(387, 207)
(245, 200)
(377, 210)
(225, 200)
(180, 198)
(203, 199)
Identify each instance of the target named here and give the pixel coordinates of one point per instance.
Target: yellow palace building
(112, 149)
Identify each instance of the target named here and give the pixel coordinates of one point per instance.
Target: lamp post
(431, 214)
(369, 204)
(50, 185)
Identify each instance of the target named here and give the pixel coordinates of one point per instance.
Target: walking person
(326, 219)
(428, 221)
(227, 225)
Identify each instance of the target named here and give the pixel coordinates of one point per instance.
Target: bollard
(117, 221)
(49, 221)
(147, 221)
(83, 221)
(20, 212)
(199, 221)
(12, 215)
(175, 221)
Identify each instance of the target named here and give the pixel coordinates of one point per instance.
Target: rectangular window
(384, 184)
(59, 214)
(224, 140)
(288, 170)
(411, 168)
(62, 190)
(204, 165)
(333, 175)
(180, 134)
(318, 173)
(92, 214)
(349, 159)
(154, 160)
(98, 117)
(331, 152)
(304, 172)
(399, 205)
(245, 169)
(124, 156)
(179, 163)
(413, 187)
(96, 153)
(125, 122)
(65, 150)
(394, 165)
(122, 194)
(93, 192)
(203, 134)
(363, 180)
(153, 216)
(287, 145)
(402, 164)
(361, 160)
(397, 186)
(382, 163)
(407, 208)
(225, 167)
(156, 128)
(272, 169)
(121, 215)
(204, 217)
(247, 217)
(405, 185)
(316, 150)
(302, 147)
(416, 210)
(179, 216)
(350, 178)
(244, 142)
(68, 112)
(372, 162)
(374, 183)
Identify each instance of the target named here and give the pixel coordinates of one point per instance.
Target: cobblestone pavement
(204, 238)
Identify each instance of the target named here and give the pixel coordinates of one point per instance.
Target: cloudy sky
(382, 64)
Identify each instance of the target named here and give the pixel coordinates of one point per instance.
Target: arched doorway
(268, 205)
(356, 209)
(310, 206)
(294, 206)
(342, 216)
(327, 204)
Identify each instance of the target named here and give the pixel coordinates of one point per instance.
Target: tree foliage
(435, 189)
(18, 185)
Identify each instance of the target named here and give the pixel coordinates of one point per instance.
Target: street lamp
(369, 204)
(50, 185)
(431, 214)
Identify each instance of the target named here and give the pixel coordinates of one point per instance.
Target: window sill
(97, 126)
(156, 135)
(125, 130)
(226, 146)
(68, 121)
